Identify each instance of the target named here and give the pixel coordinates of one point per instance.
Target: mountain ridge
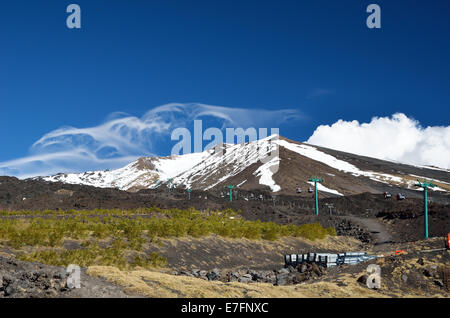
(257, 165)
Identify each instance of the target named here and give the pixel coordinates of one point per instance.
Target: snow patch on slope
(122, 178)
(321, 187)
(265, 172)
(131, 175)
(313, 153)
(171, 167)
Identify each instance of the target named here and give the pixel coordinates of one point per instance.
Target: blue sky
(315, 57)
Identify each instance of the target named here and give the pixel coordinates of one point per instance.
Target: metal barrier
(327, 259)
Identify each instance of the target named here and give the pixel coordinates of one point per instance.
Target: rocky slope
(32, 280)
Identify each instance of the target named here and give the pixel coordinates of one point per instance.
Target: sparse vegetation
(118, 238)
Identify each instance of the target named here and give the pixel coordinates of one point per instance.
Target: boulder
(216, 271)
(196, 272)
(316, 269)
(438, 282)
(245, 278)
(282, 279)
(427, 273)
(299, 277)
(404, 278)
(302, 268)
(363, 279)
(212, 275)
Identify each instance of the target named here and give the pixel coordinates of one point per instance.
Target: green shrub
(124, 232)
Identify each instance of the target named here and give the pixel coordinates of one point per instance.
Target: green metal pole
(315, 196)
(231, 192)
(316, 199)
(425, 194)
(425, 185)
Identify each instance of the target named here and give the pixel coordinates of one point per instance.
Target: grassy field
(119, 238)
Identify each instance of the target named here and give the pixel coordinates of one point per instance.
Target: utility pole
(231, 187)
(330, 207)
(315, 180)
(425, 185)
(169, 180)
(189, 192)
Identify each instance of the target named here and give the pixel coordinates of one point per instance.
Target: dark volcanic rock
(213, 275)
(347, 228)
(281, 277)
(363, 279)
(32, 280)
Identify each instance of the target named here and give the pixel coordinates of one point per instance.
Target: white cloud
(397, 138)
(123, 138)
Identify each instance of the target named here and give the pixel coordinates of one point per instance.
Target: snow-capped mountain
(274, 163)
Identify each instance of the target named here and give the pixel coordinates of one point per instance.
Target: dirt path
(376, 228)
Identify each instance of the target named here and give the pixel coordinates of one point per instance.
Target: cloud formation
(122, 138)
(397, 138)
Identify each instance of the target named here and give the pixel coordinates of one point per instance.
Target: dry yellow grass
(160, 285)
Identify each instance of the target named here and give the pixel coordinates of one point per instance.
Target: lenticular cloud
(397, 138)
(123, 138)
